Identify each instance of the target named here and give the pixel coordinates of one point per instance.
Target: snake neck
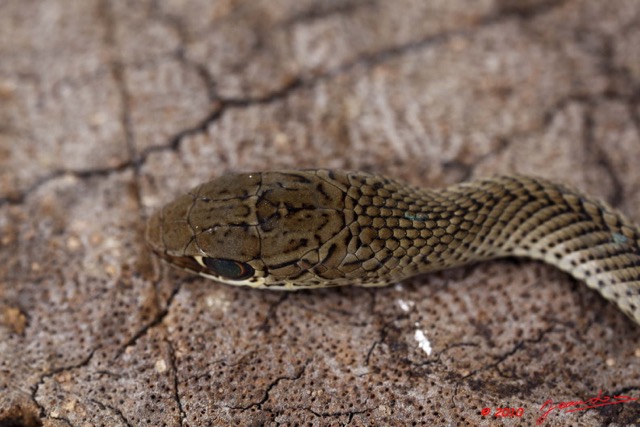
(533, 218)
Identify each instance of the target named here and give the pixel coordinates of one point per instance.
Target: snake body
(319, 228)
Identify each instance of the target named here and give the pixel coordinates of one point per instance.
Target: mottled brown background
(110, 108)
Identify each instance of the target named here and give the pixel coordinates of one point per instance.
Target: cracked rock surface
(111, 108)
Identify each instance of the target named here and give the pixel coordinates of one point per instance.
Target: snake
(298, 229)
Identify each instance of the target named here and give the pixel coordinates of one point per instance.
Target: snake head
(269, 229)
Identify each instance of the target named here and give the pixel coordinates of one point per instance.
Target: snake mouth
(196, 264)
(184, 262)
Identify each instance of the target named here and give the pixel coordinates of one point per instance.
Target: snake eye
(233, 270)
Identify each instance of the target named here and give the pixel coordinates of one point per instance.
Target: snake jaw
(252, 283)
(195, 265)
(184, 262)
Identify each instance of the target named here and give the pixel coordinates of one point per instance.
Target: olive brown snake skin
(319, 228)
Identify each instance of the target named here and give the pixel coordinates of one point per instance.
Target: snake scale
(318, 228)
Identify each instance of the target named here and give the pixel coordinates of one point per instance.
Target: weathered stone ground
(110, 108)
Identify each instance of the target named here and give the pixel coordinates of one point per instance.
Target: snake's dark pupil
(229, 269)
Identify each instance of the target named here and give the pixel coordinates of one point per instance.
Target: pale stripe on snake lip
(319, 228)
